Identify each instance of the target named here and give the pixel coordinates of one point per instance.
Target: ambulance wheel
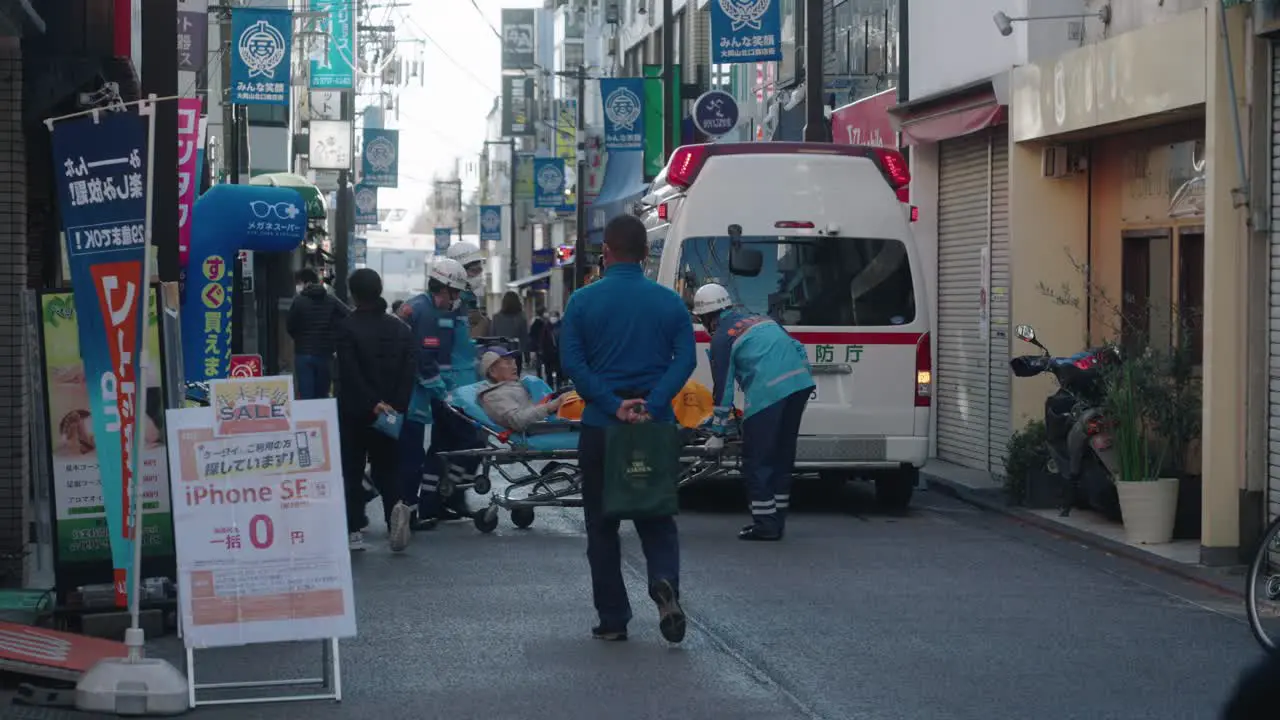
(486, 522)
(482, 485)
(894, 490)
(522, 517)
(445, 488)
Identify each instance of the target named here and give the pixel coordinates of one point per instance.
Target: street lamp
(1004, 23)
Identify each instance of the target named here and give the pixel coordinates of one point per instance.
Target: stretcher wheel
(487, 521)
(522, 517)
(482, 485)
(445, 488)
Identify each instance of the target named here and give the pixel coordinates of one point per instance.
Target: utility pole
(669, 77)
(815, 126)
(512, 266)
(580, 172)
(344, 211)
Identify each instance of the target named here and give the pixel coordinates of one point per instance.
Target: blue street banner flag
(490, 223)
(745, 31)
(548, 180)
(443, 236)
(260, 57)
(380, 166)
(333, 69)
(100, 169)
(226, 220)
(358, 252)
(623, 113)
(366, 197)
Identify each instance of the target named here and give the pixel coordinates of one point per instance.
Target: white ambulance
(816, 236)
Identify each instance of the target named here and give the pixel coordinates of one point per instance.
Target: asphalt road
(949, 613)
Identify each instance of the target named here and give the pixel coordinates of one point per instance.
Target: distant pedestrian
(395, 307)
(509, 322)
(628, 347)
(376, 371)
(312, 323)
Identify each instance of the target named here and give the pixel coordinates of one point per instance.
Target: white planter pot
(1149, 509)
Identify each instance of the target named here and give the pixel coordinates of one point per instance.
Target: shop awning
(623, 185)
(957, 112)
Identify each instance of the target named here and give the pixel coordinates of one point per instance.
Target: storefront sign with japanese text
(100, 168)
(623, 113)
(518, 38)
(366, 197)
(260, 51)
(746, 31)
(380, 165)
(548, 180)
(333, 69)
(188, 180)
(256, 508)
(193, 35)
(226, 220)
(517, 106)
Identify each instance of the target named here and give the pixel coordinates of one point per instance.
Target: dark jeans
(419, 474)
(658, 538)
(312, 375)
(769, 458)
(361, 444)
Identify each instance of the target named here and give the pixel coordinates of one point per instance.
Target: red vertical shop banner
(122, 28)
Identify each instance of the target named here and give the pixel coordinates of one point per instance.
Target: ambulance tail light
(686, 163)
(924, 372)
(662, 211)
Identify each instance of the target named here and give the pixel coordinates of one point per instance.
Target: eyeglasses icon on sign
(281, 210)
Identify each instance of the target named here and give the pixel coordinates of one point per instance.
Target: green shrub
(1024, 454)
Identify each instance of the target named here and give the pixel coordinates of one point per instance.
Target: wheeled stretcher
(538, 464)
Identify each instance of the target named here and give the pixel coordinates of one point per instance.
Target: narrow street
(948, 613)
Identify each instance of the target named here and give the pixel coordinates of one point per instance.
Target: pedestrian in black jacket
(312, 322)
(376, 370)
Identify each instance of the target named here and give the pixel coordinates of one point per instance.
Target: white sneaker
(400, 530)
(355, 542)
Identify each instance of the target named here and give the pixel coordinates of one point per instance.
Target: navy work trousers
(312, 376)
(658, 538)
(419, 472)
(769, 457)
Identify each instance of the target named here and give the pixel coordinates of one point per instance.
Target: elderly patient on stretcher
(505, 399)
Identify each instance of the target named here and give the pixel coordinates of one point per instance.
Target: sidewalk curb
(994, 501)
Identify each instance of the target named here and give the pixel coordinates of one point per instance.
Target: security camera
(1003, 23)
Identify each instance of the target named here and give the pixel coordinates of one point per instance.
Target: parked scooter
(1078, 438)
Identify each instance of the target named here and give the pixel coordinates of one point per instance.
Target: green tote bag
(641, 471)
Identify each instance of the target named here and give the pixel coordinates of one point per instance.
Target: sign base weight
(143, 686)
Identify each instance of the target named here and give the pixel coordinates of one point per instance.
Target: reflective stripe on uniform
(783, 502)
(763, 507)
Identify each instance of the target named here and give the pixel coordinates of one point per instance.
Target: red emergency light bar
(687, 161)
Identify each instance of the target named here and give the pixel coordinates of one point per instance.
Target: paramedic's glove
(720, 421)
(715, 444)
(426, 438)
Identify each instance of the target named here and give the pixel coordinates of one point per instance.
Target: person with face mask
(471, 258)
(432, 316)
(773, 370)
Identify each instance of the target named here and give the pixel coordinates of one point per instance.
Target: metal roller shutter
(973, 238)
(1273, 359)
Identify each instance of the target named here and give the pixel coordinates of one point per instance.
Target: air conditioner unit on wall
(1054, 162)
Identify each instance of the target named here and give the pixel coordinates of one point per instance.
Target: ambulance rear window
(819, 281)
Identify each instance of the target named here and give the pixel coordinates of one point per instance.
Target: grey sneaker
(355, 541)
(400, 530)
(671, 620)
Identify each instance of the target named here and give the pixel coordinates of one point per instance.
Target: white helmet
(711, 298)
(465, 253)
(449, 273)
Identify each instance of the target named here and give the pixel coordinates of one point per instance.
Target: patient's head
(498, 365)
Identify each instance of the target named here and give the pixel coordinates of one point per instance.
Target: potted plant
(1026, 481)
(1148, 502)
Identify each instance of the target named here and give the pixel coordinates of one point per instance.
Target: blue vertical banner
(100, 169)
(490, 223)
(366, 197)
(548, 180)
(746, 31)
(443, 236)
(334, 70)
(260, 56)
(357, 253)
(380, 166)
(623, 113)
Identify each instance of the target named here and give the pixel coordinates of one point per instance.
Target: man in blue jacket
(432, 316)
(773, 370)
(627, 344)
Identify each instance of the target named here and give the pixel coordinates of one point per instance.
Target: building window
(722, 76)
(269, 115)
(1191, 291)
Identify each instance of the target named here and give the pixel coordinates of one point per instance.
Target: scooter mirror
(1026, 333)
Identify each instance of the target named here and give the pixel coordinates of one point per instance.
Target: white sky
(444, 119)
